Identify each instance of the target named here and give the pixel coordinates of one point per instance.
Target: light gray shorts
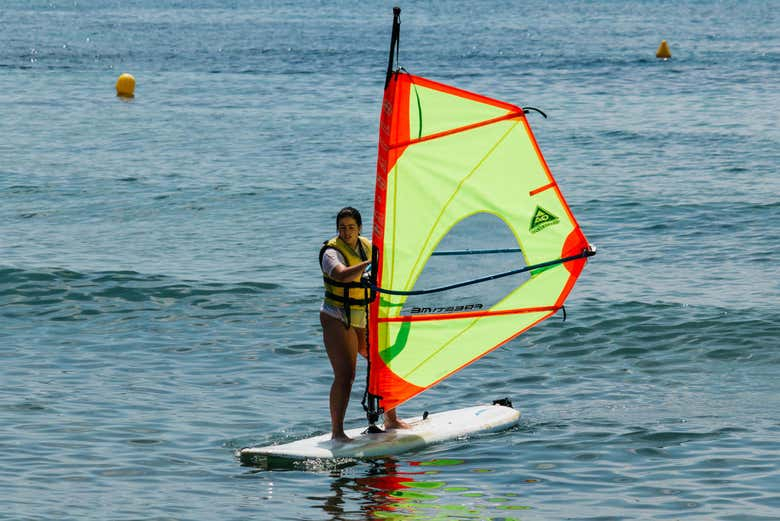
(357, 316)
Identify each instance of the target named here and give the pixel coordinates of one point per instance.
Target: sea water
(159, 287)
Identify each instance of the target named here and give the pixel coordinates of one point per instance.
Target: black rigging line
(526, 110)
(477, 252)
(585, 253)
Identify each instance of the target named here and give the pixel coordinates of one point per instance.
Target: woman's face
(349, 230)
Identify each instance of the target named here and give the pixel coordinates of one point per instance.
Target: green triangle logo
(542, 219)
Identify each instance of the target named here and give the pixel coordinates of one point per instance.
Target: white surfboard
(435, 428)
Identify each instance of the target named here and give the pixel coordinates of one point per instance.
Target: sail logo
(446, 309)
(542, 219)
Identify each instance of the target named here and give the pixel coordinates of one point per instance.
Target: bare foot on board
(396, 424)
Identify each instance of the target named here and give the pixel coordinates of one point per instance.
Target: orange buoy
(125, 86)
(663, 51)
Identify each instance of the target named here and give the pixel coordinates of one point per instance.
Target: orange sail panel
(447, 155)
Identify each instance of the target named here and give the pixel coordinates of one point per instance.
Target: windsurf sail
(445, 156)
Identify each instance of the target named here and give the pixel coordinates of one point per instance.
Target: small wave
(297, 349)
(23, 189)
(62, 294)
(662, 336)
(149, 281)
(662, 439)
(18, 276)
(26, 407)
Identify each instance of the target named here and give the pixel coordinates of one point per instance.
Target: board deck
(437, 427)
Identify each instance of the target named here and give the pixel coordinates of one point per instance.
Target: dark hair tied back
(349, 212)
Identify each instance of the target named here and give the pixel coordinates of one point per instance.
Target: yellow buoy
(663, 51)
(125, 85)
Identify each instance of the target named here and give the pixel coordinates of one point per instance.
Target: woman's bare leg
(342, 347)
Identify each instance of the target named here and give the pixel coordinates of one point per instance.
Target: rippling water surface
(159, 287)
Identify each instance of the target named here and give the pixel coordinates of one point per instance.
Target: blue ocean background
(159, 287)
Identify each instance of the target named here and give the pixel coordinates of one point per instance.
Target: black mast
(393, 43)
(370, 401)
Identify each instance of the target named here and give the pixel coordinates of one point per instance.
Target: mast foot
(373, 429)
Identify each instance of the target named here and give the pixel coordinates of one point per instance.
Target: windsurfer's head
(348, 223)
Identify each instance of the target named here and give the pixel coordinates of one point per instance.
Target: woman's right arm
(343, 273)
(333, 266)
